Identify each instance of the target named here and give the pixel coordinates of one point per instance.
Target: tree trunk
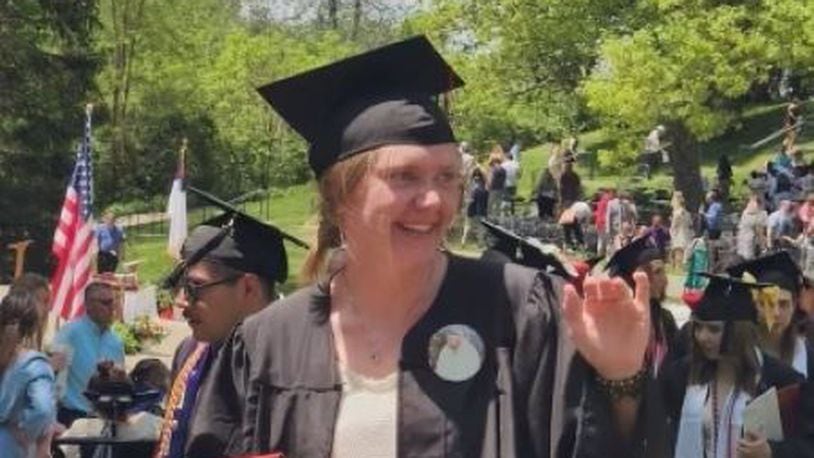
(357, 18)
(333, 13)
(686, 163)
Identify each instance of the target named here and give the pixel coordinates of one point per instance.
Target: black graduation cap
(511, 247)
(381, 97)
(727, 299)
(776, 268)
(237, 240)
(626, 260)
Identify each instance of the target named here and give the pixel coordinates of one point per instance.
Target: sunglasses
(193, 291)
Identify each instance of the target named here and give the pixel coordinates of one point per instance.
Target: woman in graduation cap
(398, 348)
(779, 310)
(706, 392)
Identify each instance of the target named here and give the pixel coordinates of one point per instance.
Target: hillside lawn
(291, 209)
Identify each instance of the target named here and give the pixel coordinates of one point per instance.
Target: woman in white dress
(751, 240)
(681, 232)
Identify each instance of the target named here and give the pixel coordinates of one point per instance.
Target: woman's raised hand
(609, 326)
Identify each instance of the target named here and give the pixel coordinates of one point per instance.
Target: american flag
(74, 241)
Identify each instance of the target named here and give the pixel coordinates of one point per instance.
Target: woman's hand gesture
(609, 326)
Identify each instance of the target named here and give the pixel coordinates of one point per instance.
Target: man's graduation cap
(777, 268)
(237, 240)
(378, 98)
(626, 260)
(727, 299)
(507, 246)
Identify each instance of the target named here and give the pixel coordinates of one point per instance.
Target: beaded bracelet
(618, 389)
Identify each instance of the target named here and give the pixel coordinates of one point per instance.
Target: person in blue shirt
(27, 404)
(111, 243)
(87, 341)
(713, 215)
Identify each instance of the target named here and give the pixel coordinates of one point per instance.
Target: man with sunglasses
(228, 271)
(83, 344)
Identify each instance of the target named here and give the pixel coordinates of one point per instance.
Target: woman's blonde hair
(333, 188)
(496, 155)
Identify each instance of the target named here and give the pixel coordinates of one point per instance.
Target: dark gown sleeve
(556, 397)
(778, 375)
(216, 429)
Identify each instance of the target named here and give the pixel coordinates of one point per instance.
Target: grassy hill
(291, 209)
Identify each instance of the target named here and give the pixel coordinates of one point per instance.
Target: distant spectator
(658, 234)
(496, 183)
(570, 186)
(477, 206)
(723, 173)
(781, 159)
(696, 262)
(780, 224)
(806, 212)
(514, 151)
(806, 182)
(713, 215)
(513, 173)
(630, 213)
(799, 167)
(616, 216)
(792, 120)
(556, 161)
(111, 243)
(27, 403)
(573, 220)
(805, 243)
(40, 287)
(601, 220)
(626, 235)
(681, 229)
(545, 194)
(751, 237)
(88, 340)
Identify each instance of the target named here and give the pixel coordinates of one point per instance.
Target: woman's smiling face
(403, 207)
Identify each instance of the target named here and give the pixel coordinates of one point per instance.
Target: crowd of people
(395, 346)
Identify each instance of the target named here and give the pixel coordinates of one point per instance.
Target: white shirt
(512, 169)
(367, 416)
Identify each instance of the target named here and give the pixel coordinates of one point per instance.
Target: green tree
(46, 74)
(522, 61)
(687, 67)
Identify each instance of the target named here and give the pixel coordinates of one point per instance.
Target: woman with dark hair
(779, 310)
(706, 392)
(27, 401)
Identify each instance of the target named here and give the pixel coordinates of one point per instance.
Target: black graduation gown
(533, 397)
(774, 373)
(667, 329)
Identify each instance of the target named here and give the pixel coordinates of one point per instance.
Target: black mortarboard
(378, 98)
(727, 299)
(626, 260)
(777, 268)
(237, 240)
(511, 247)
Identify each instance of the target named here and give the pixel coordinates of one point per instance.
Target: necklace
(377, 343)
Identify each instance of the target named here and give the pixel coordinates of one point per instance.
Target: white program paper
(762, 416)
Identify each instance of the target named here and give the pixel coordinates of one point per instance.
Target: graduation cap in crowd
(507, 246)
(237, 240)
(381, 97)
(777, 269)
(626, 260)
(727, 299)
